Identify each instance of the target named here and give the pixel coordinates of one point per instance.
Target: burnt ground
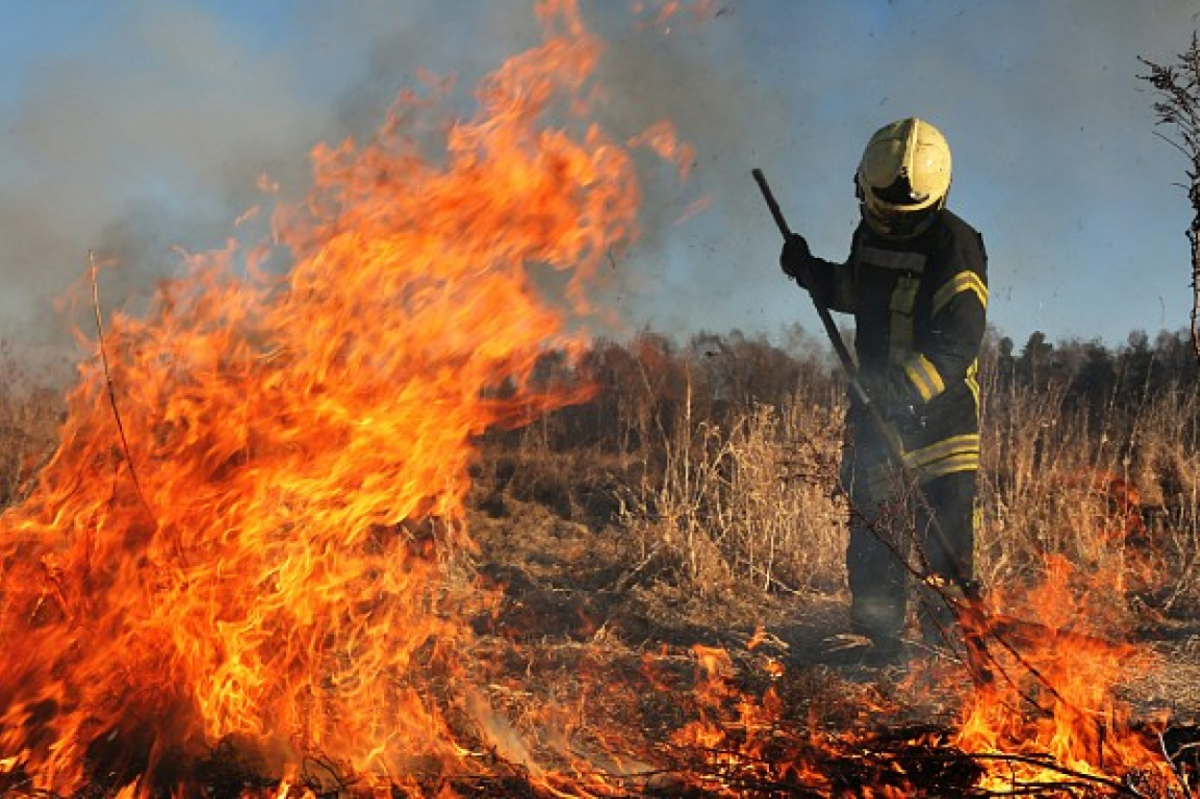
(599, 645)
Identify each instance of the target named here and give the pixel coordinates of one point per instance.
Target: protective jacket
(919, 307)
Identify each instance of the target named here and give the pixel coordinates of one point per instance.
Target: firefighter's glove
(887, 391)
(796, 259)
(904, 419)
(896, 402)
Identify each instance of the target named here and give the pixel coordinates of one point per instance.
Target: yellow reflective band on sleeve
(963, 281)
(963, 462)
(947, 446)
(881, 481)
(973, 383)
(924, 376)
(954, 454)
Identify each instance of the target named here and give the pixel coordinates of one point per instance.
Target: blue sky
(131, 126)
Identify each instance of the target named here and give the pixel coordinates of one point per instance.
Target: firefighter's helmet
(903, 178)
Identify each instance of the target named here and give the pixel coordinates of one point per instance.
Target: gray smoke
(146, 135)
(148, 127)
(149, 131)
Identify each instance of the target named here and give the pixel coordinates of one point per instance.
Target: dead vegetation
(715, 485)
(726, 519)
(674, 545)
(31, 410)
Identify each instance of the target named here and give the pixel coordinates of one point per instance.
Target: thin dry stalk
(112, 393)
(751, 501)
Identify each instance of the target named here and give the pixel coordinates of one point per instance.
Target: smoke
(693, 72)
(144, 135)
(148, 130)
(1056, 159)
(146, 126)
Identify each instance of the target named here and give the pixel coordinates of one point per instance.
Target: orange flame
(1070, 669)
(264, 553)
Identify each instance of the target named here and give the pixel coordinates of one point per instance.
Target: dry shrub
(783, 525)
(1119, 502)
(1164, 468)
(669, 511)
(750, 501)
(31, 411)
(1033, 458)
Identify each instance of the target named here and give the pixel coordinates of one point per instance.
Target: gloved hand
(796, 258)
(895, 399)
(886, 391)
(904, 419)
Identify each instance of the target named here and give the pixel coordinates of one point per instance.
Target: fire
(1057, 697)
(1050, 722)
(253, 531)
(251, 539)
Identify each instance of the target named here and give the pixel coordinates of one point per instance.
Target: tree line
(647, 385)
(1091, 376)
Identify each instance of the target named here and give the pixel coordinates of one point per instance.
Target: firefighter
(916, 285)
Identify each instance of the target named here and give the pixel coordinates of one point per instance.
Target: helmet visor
(898, 223)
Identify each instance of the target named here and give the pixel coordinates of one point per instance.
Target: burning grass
(590, 672)
(731, 712)
(299, 535)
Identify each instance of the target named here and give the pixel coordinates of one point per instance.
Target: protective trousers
(889, 529)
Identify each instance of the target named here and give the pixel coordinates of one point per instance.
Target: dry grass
(663, 517)
(714, 494)
(1120, 503)
(749, 503)
(30, 413)
(750, 499)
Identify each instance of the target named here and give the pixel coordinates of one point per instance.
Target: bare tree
(1178, 106)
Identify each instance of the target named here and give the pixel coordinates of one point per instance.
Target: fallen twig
(1121, 788)
(1175, 770)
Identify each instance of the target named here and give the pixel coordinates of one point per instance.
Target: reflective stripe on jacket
(920, 309)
